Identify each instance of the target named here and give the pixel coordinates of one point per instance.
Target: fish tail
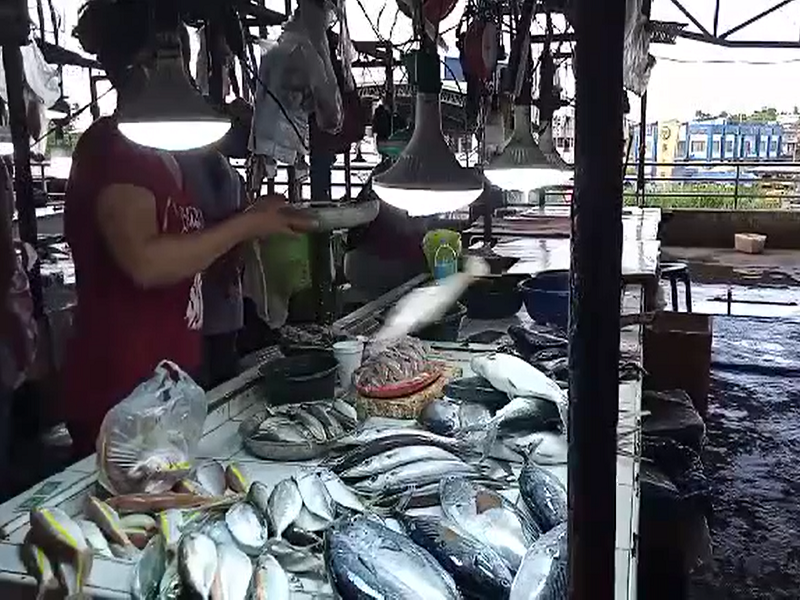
(83, 567)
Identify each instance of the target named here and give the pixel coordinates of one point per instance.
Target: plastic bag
(296, 78)
(147, 442)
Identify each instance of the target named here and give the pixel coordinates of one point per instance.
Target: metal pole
(320, 243)
(642, 151)
(736, 189)
(595, 298)
(23, 179)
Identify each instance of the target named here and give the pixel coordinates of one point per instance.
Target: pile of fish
(396, 363)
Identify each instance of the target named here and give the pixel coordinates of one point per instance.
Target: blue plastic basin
(546, 297)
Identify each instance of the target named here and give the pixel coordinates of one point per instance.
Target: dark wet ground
(753, 461)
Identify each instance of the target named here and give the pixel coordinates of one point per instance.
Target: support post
(642, 151)
(595, 285)
(23, 179)
(320, 243)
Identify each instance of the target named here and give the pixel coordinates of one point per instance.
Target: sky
(688, 77)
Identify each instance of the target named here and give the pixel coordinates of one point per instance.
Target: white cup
(348, 354)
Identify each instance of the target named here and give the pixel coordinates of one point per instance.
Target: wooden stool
(676, 272)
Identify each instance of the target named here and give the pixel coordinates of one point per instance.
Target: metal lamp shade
(427, 179)
(169, 113)
(59, 110)
(522, 165)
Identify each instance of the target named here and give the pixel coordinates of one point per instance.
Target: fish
(270, 581)
(70, 579)
(475, 389)
(550, 449)
(416, 474)
(489, 517)
(211, 477)
(171, 585)
(258, 496)
(371, 444)
(528, 341)
(189, 486)
(155, 503)
(219, 532)
(285, 504)
(527, 413)
(345, 412)
(478, 570)
(333, 429)
(300, 537)
(280, 429)
(40, 567)
(340, 494)
(380, 463)
(95, 538)
(515, 377)
(170, 523)
(139, 521)
(366, 559)
(543, 573)
(248, 529)
(315, 495)
(294, 560)
(149, 570)
(129, 552)
(544, 496)
(308, 521)
(234, 572)
(236, 479)
(107, 519)
(441, 416)
(197, 563)
(138, 536)
(52, 530)
(313, 425)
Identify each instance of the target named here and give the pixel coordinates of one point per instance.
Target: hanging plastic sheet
(296, 79)
(637, 61)
(40, 76)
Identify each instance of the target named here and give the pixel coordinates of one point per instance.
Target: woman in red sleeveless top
(138, 243)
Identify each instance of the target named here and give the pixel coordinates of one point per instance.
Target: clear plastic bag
(147, 442)
(295, 79)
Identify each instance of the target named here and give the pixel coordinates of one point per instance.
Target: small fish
(391, 459)
(219, 532)
(149, 570)
(308, 521)
(339, 492)
(258, 496)
(346, 412)
(58, 535)
(40, 567)
(170, 523)
(543, 572)
(475, 389)
(197, 563)
(315, 495)
(235, 478)
(544, 496)
(311, 423)
(70, 578)
(95, 538)
(211, 476)
(416, 474)
(285, 503)
(300, 538)
(138, 536)
(441, 416)
(333, 429)
(171, 586)
(234, 571)
(139, 521)
(531, 414)
(269, 580)
(294, 560)
(107, 519)
(155, 503)
(280, 429)
(189, 486)
(247, 528)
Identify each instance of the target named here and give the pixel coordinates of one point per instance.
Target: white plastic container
(348, 354)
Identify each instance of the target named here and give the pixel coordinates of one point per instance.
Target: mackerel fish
(543, 573)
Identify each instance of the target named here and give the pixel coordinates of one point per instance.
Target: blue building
(712, 141)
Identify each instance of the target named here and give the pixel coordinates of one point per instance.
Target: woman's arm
(127, 218)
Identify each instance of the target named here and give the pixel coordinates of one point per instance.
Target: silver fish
(170, 523)
(197, 563)
(366, 559)
(543, 573)
(516, 377)
(58, 535)
(489, 517)
(247, 528)
(315, 495)
(149, 570)
(333, 429)
(417, 474)
(171, 586)
(219, 532)
(285, 503)
(107, 519)
(544, 496)
(95, 538)
(550, 449)
(70, 578)
(269, 580)
(40, 567)
(234, 571)
(211, 477)
(347, 411)
(236, 479)
(339, 492)
(280, 429)
(380, 463)
(138, 521)
(308, 521)
(258, 496)
(534, 413)
(311, 423)
(294, 560)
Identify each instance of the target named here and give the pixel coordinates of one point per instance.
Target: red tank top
(121, 331)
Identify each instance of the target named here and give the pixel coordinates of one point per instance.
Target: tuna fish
(544, 496)
(543, 573)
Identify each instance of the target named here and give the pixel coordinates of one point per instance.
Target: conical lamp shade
(549, 148)
(59, 110)
(427, 179)
(522, 165)
(169, 113)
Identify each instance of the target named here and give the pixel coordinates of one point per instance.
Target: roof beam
(718, 41)
(752, 20)
(692, 18)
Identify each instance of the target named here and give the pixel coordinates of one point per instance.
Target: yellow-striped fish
(170, 523)
(235, 478)
(107, 519)
(63, 541)
(40, 567)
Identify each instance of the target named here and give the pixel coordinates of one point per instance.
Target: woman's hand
(272, 214)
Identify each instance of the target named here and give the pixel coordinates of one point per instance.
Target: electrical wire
(70, 119)
(757, 63)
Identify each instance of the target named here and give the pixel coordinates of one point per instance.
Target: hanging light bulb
(522, 166)
(170, 113)
(59, 110)
(427, 179)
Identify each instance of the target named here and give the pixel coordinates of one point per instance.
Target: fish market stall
(237, 403)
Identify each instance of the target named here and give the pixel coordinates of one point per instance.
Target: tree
(702, 115)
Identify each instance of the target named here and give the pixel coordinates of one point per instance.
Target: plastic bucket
(546, 298)
(348, 354)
